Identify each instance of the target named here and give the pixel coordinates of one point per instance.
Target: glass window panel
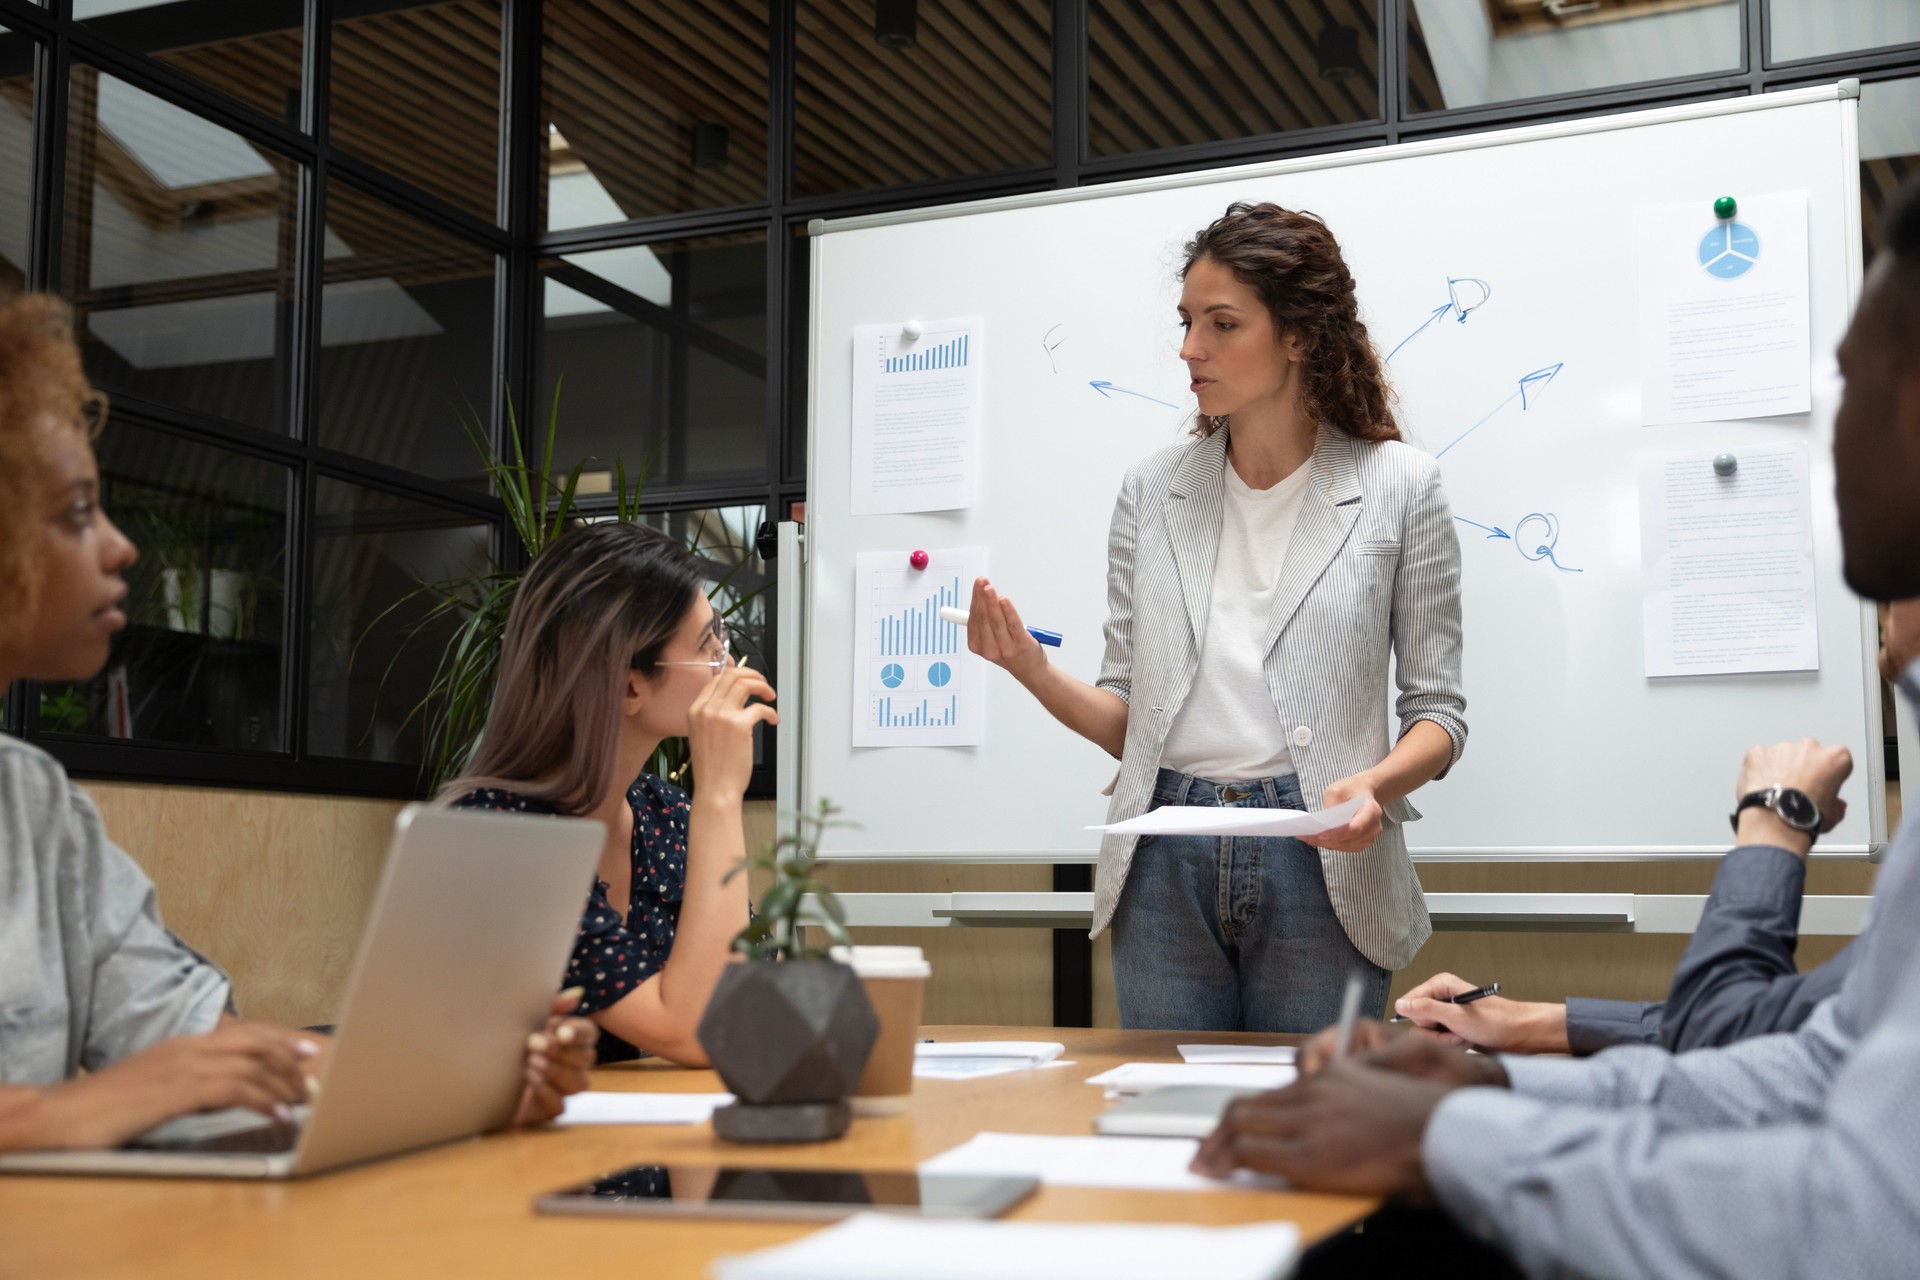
(250, 51)
(406, 339)
(416, 91)
(652, 107)
(1466, 53)
(1161, 75)
(178, 253)
(1889, 148)
(741, 586)
(372, 650)
(16, 157)
(960, 89)
(659, 352)
(1815, 28)
(200, 660)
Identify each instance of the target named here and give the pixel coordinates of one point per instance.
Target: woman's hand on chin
(1359, 831)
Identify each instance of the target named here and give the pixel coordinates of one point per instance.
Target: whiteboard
(1573, 751)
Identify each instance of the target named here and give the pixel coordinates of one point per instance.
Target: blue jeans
(1232, 933)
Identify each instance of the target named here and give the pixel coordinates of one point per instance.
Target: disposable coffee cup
(896, 983)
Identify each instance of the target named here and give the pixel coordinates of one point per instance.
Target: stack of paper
(642, 1108)
(1242, 1054)
(969, 1059)
(1132, 1164)
(1184, 820)
(874, 1246)
(1139, 1077)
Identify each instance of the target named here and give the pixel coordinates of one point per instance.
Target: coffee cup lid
(884, 962)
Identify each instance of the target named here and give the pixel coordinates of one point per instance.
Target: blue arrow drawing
(1460, 301)
(1108, 390)
(1535, 381)
(1493, 531)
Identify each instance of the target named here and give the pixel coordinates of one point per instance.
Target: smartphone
(812, 1195)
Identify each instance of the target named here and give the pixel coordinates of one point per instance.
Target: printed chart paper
(1728, 563)
(1725, 313)
(914, 683)
(916, 417)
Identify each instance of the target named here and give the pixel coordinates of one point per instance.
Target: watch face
(1798, 809)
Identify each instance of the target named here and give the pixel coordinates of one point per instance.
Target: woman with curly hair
(1260, 576)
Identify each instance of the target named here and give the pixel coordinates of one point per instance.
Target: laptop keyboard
(223, 1133)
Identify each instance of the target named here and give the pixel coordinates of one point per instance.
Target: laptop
(468, 940)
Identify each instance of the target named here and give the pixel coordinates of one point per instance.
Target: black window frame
(781, 218)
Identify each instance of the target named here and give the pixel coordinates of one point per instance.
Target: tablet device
(813, 1195)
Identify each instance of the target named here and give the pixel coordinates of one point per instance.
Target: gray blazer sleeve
(1426, 619)
(1116, 665)
(1738, 978)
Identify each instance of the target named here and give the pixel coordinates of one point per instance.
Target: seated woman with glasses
(611, 647)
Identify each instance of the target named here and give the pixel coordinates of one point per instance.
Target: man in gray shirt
(1793, 1154)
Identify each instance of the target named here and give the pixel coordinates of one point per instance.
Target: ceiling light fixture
(1338, 49)
(896, 23)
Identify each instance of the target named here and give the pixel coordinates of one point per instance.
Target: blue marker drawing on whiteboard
(1465, 295)
(1535, 381)
(1108, 390)
(1547, 534)
(1492, 531)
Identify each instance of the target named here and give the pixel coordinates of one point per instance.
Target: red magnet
(918, 559)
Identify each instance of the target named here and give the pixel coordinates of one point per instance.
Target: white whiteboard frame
(793, 771)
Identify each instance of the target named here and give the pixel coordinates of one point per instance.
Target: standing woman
(612, 646)
(1259, 576)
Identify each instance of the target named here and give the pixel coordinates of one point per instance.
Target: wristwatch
(1791, 805)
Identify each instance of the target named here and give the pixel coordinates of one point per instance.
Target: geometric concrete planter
(789, 1039)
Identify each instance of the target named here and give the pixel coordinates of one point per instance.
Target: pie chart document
(915, 684)
(1724, 310)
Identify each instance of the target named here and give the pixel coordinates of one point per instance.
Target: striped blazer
(1373, 569)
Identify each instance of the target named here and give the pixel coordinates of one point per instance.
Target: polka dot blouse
(613, 956)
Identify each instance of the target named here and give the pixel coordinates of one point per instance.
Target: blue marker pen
(958, 617)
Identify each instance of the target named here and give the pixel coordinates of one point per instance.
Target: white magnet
(1725, 465)
(910, 330)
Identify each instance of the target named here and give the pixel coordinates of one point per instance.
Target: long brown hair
(601, 601)
(1293, 262)
(42, 388)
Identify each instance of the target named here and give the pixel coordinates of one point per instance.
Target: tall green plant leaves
(453, 708)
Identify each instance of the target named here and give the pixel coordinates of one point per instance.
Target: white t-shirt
(1228, 730)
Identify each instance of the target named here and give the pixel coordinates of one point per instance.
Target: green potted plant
(540, 506)
(789, 1030)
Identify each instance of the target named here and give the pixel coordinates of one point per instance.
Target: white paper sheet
(914, 683)
(1185, 820)
(916, 416)
(1724, 310)
(875, 1246)
(972, 1059)
(642, 1108)
(1244, 1054)
(1140, 1164)
(1139, 1077)
(1728, 563)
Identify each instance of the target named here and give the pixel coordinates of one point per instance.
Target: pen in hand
(1465, 997)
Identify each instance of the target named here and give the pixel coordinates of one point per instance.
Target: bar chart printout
(915, 684)
(917, 408)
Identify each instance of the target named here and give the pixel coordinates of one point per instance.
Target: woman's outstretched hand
(1362, 829)
(995, 632)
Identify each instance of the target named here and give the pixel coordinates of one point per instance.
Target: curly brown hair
(43, 389)
(1293, 262)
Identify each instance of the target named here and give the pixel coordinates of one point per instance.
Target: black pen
(1465, 997)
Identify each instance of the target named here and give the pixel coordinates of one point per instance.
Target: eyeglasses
(716, 663)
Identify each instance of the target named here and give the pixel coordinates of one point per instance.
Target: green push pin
(1725, 207)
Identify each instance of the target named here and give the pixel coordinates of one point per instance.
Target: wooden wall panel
(274, 888)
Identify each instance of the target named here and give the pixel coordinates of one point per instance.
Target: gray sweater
(88, 974)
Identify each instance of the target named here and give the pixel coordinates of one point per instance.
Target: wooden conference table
(464, 1210)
